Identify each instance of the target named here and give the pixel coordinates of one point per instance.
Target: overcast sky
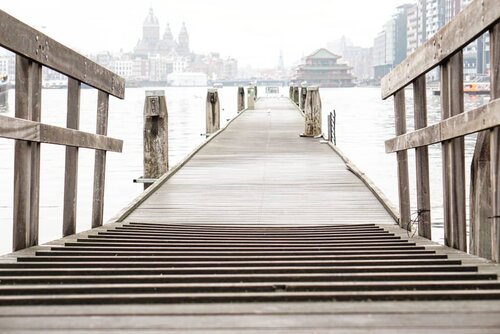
(252, 31)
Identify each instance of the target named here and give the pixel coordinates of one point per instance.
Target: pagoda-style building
(321, 68)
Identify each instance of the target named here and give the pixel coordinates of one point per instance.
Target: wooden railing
(445, 50)
(34, 50)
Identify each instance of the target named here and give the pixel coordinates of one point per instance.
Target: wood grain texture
(402, 159)
(100, 161)
(472, 21)
(495, 142)
(71, 164)
(44, 50)
(212, 111)
(422, 161)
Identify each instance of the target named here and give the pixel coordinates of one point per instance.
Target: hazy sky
(253, 31)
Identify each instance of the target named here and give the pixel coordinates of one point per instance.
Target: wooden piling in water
(296, 95)
(241, 98)
(312, 112)
(290, 93)
(303, 96)
(251, 98)
(155, 135)
(213, 111)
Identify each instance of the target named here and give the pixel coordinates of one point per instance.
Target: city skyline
(253, 36)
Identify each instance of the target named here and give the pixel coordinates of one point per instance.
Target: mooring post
(155, 135)
(303, 95)
(213, 111)
(312, 112)
(296, 95)
(251, 97)
(256, 92)
(290, 93)
(241, 99)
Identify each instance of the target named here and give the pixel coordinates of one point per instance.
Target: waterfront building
(359, 58)
(323, 69)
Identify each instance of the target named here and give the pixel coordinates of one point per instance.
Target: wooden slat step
(248, 297)
(246, 287)
(236, 278)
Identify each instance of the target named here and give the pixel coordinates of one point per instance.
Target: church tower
(151, 29)
(183, 43)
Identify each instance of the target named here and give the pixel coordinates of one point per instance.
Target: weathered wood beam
(474, 20)
(100, 161)
(402, 158)
(71, 168)
(22, 158)
(482, 118)
(495, 143)
(17, 128)
(453, 156)
(212, 111)
(23, 40)
(422, 161)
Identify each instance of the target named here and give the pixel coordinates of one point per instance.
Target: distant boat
(478, 86)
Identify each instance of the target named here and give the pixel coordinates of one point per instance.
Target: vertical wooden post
(22, 159)
(495, 142)
(155, 135)
(100, 161)
(312, 112)
(71, 169)
(36, 108)
(290, 93)
(453, 155)
(213, 111)
(402, 158)
(329, 137)
(251, 98)
(241, 99)
(303, 95)
(296, 95)
(422, 160)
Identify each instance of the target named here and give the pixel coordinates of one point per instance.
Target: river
(364, 122)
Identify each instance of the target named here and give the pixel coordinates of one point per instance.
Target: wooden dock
(260, 230)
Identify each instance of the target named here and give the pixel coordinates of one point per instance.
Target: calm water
(363, 123)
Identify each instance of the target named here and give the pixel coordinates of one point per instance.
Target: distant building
(322, 68)
(152, 44)
(359, 58)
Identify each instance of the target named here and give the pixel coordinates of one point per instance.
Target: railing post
(495, 142)
(71, 168)
(303, 96)
(402, 158)
(100, 161)
(312, 112)
(330, 128)
(213, 111)
(155, 135)
(422, 160)
(452, 104)
(27, 156)
(251, 97)
(241, 99)
(290, 93)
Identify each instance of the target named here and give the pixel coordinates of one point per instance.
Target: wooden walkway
(260, 231)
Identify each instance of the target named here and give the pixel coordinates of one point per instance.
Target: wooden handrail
(445, 50)
(34, 50)
(30, 43)
(482, 118)
(469, 24)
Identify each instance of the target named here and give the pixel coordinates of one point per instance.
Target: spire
(167, 35)
(151, 19)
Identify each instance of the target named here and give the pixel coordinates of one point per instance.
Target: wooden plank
(100, 161)
(469, 24)
(71, 166)
(482, 118)
(69, 137)
(402, 158)
(22, 158)
(42, 49)
(422, 161)
(36, 106)
(453, 157)
(495, 142)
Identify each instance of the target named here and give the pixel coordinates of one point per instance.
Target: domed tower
(183, 43)
(151, 29)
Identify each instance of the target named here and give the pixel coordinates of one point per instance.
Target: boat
(4, 90)
(477, 86)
